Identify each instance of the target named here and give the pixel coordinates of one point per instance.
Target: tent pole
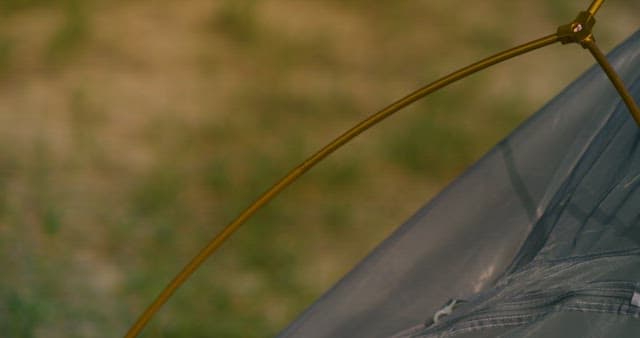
(578, 31)
(595, 5)
(337, 143)
(591, 45)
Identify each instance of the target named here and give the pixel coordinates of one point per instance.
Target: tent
(540, 238)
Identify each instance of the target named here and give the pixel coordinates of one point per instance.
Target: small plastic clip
(446, 310)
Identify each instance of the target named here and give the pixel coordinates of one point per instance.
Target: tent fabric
(540, 238)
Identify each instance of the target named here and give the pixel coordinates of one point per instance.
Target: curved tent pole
(578, 31)
(337, 143)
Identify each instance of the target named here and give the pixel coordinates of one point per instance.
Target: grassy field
(132, 131)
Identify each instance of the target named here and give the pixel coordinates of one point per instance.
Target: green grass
(71, 34)
(25, 313)
(237, 20)
(6, 48)
(433, 141)
(11, 6)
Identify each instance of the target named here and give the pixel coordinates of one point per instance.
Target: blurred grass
(131, 132)
(71, 33)
(5, 54)
(237, 20)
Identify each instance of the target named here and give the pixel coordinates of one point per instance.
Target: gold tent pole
(595, 6)
(590, 44)
(578, 31)
(215, 243)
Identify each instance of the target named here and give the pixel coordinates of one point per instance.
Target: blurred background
(132, 131)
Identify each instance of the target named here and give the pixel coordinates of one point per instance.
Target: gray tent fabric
(540, 238)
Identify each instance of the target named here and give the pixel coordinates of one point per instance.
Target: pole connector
(579, 30)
